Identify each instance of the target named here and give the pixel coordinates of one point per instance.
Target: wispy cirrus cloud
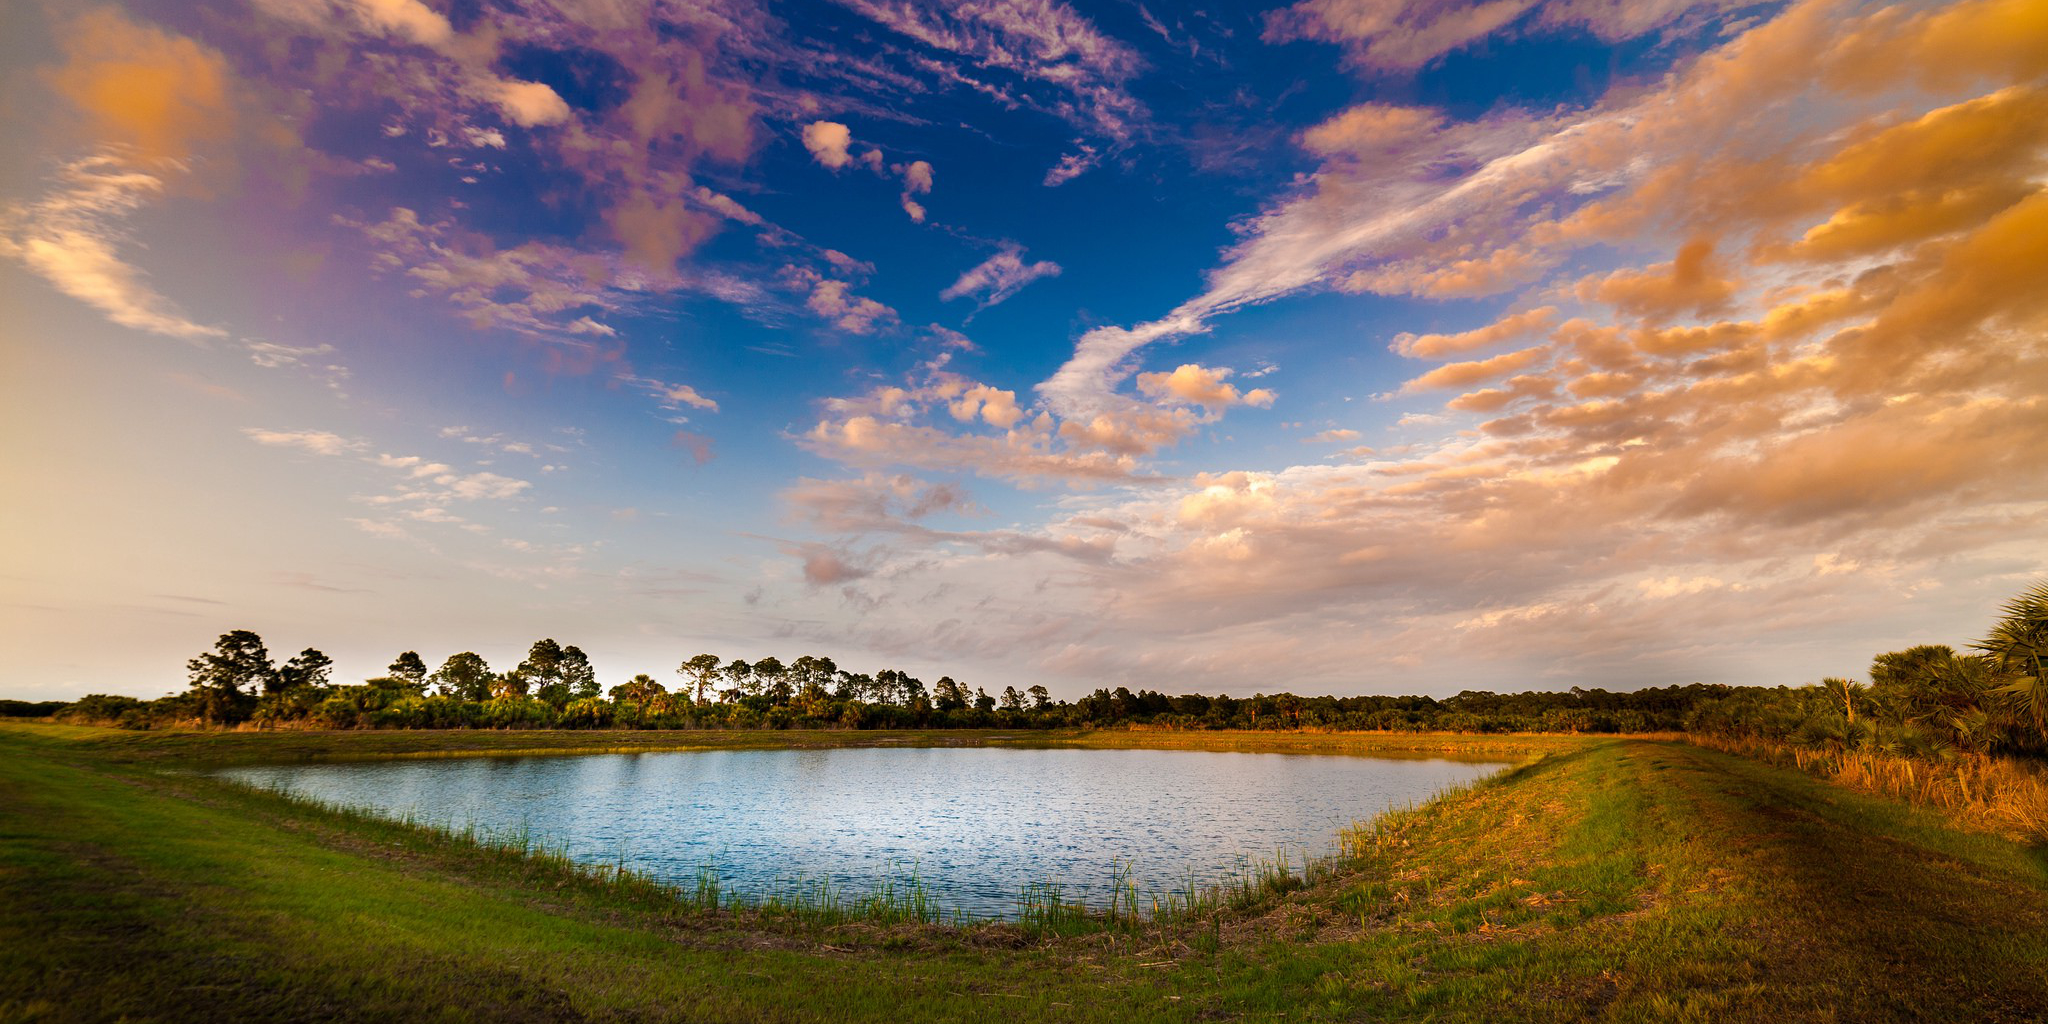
(1045, 43)
(1409, 34)
(999, 277)
(72, 237)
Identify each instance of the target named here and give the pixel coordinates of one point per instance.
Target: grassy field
(1621, 879)
(283, 746)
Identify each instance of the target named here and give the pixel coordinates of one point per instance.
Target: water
(975, 825)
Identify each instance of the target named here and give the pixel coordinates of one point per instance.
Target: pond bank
(1621, 879)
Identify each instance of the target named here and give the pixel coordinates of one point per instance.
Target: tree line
(1924, 699)
(1928, 701)
(555, 686)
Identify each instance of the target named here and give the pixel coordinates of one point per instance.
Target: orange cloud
(158, 96)
(1693, 283)
(1436, 346)
(1466, 374)
(1201, 385)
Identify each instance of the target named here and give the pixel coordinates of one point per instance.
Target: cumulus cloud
(999, 277)
(828, 143)
(834, 300)
(917, 181)
(1201, 385)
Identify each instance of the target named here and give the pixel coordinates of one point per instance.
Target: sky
(1353, 346)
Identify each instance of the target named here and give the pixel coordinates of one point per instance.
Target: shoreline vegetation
(1967, 733)
(1602, 877)
(1843, 851)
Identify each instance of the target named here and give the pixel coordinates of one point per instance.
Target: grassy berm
(1621, 879)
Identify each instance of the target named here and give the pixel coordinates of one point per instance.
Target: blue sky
(1352, 346)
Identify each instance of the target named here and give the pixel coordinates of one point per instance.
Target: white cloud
(71, 237)
(999, 277)
(1042, 40)
(319, 442)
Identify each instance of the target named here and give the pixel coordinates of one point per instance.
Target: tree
(811, 675)
(238, 659)
(577, 674)
(466, 676)
(308, 668)
(742, 675)
(773, 679)
(1041, 698)
(2018, 647)
(701, 670)
(410, 668)
(542, 672)
(1012, 700)
(510, 684)
(948, 695)
(982, 701)
(638, 691)
(1908, 671)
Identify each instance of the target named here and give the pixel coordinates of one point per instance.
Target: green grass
(1607, 880)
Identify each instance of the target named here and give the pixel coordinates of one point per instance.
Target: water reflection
(974, 824)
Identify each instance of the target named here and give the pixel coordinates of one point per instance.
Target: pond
(973, 826)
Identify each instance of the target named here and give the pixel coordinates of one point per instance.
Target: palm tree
(2018, 646)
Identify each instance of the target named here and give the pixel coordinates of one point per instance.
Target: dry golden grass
(1993, 794)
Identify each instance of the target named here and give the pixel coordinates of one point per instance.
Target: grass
(1621, 880)
(220, 748)
(1995, 794)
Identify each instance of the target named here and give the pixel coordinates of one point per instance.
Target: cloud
(1692, 283)
(1436, 346)
(1071, 166)
(152, 96)
(1201, 385)
(893, 425)
(528, 104)
(824, 567)
(688, 396)
(697, 445)
(999, 277)
(534, 288)
(408, 18)
(1800, 331)
(917, 177)
(872, 502)
(883, 428)
(680, 101)
(917, 180)
(1040, 40)
(835, 301)
(72, 237)
(318, 442)
(1335, 434)
(1410, 34)
(827, 142)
